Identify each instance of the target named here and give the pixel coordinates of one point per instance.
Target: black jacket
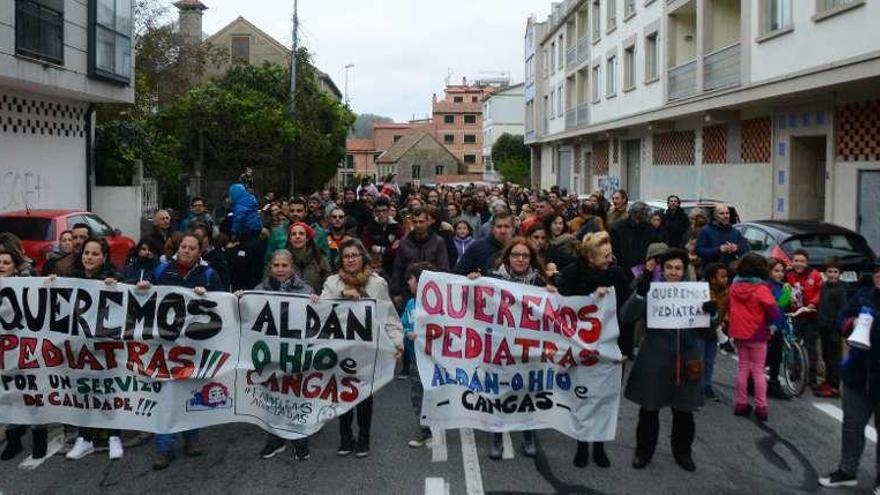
(431, 249)
(479, 257)
(630, 241)
(675, 224)
(861, 368)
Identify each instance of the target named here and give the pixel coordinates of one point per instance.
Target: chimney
(189, 21)
(464, 81)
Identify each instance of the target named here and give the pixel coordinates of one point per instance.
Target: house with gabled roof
(418, 157)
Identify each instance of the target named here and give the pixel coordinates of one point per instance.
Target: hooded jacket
(752, 310)
(245, 211)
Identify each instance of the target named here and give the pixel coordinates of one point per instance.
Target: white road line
(436, 486)
(507, 442)
(836, 413)
(438, 445)
(56, 444)
(472, 476)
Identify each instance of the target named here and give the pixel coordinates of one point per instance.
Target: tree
(363, 125)
(512, 158)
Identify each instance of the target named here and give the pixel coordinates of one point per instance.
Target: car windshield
(844, 247)
(28, 229)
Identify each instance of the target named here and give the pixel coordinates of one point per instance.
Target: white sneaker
(80, 449)
(115, 446)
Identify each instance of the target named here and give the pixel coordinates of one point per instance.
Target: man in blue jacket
(481, 255)
(719, 242)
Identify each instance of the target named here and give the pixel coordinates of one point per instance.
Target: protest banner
(166, 360)
(500, 356)
(304, 364)
(674, 305)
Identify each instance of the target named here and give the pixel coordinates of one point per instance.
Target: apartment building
(57, 58)
(769, 104)
(502, 114)
(458, 122)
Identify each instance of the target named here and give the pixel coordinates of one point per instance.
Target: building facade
(458, 122)
(769, 104)
(502, 114)
(419, 158)
(57, 58)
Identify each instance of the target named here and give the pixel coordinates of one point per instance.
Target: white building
(57, 58)
(502, 113)
(770, 104)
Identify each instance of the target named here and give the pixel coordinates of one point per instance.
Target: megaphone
(860, 337)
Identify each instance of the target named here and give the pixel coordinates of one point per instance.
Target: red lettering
(7, 343)
(178, 355)
(551, 322)
(527, 345)
(548, 353)
(567, 319)
(292, 383)
(135, 351)
(527, 320)
(309, 391)
(437, 308)
(589, 357)
(330, 392)
(460, 312)
(432, 333)
(481, 292)
(473, 344)
(503, 353)
(86, 358)
(158, 368)
(28, 346)
(591, 334)
(504, 313)
(53, 399)
(349, 389)
(52, 355)
(109, 349)
(567, 360)
(447, 342)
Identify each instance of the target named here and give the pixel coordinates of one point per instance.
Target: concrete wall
(812, 44)
(120, 207)
(39, 170)
(69, 80)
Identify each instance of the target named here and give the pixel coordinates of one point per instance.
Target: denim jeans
(709, 353)
(857, 410)
(165, 441)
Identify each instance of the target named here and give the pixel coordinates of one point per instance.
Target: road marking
(836, 413)
(507, 442)
(438, 445)
(56, 444)
(436, 486)
(472, 477)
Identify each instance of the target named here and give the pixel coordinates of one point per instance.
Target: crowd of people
(375, 240)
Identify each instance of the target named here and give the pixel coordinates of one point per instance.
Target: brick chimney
(190, 19)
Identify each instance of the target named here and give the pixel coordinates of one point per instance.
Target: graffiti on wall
(609, 184)
(22, 189)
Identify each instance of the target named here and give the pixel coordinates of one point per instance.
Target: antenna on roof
(448, 76)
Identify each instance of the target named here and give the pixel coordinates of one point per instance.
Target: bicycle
(795, 363)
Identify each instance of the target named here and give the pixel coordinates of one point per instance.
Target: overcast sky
(402, 50)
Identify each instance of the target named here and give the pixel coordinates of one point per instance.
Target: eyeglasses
(521, 255)
(337, 216)
(351, 256)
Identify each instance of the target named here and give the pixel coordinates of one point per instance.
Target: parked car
(708, 205)
(781, 238)
(40, 230)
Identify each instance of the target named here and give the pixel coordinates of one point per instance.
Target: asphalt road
(733, 455)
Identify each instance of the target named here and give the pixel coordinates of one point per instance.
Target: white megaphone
(860, 337)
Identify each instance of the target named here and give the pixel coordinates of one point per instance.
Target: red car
(40, 230)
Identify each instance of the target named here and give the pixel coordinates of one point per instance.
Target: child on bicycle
(754, 316)
(806, 288)
(831, 303)
(782, 293)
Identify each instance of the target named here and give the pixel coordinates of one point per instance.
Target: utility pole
(293, 88)
(347, 67)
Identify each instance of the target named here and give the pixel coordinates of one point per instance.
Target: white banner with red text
(165, 359)
(500, 356)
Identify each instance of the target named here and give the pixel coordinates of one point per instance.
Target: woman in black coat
(594, 273)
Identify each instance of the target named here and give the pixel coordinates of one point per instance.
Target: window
(448, 139)
(595, 83)
(595, 14)
(449, 119)
(416, 172)
(560, 57)
(559, 101)
(241, 49)
(470, 159)
(629, 8)
(757, 239)
(474, 99)
(397, 138)
(553, 57)
(458, 99)
(611, 5)
(39, 29)
(470, 139)
(611, 77)
(776, 14)
(552, 107)
(470, 119)
(629, 68)
(825, 5)
(651, 58)
(349, 161)
(110, 39)
(99, 227)
(546, 63)
(438, 170)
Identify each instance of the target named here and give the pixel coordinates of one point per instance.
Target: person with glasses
(675, 223)
(197, 213)
(355, 280)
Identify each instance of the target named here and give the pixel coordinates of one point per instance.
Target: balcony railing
(721, 68)
(583, 115)
(682, 80)
(530, 135)
(583, 46)
(570, 118)
(570, 56)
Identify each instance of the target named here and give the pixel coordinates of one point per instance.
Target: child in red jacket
(754, 315)
(806, 291)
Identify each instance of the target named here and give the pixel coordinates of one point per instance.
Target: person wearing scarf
(356, 280)
(310, 262)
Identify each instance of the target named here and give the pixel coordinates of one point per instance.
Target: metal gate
(868, 221)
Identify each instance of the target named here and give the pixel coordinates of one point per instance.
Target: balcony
(721, 68)
(570, 118)
(682, 80)
(530, 135)
(583, 114)
(570, 57)
(583, 47)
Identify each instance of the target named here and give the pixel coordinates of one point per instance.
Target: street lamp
(347, 67)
